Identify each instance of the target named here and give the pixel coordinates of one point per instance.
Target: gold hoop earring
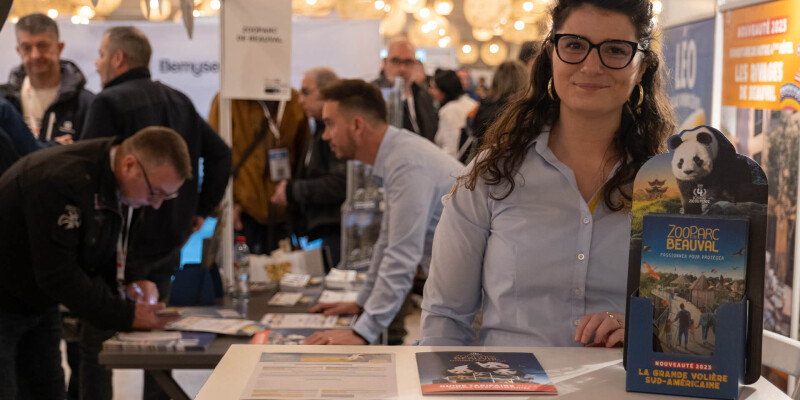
(641, 97)
(550, 89)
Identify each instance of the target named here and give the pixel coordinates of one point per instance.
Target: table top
(254, 308)
(578, 373)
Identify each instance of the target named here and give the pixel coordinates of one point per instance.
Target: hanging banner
(689, 54)
(256, 49)
(762, 57)
(760, 92)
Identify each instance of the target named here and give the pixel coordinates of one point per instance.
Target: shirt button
(581, 257)
(576, 322)
(585, 220)
(577, 292)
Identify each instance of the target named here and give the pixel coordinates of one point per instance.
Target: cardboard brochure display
(719, 376)
(696, 270)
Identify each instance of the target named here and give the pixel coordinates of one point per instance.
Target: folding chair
(782, 353)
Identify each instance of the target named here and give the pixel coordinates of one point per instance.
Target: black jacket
(133, 101)
(18, 133)
(59, 224)
(67, 113)
(427, 116)
(318, 189)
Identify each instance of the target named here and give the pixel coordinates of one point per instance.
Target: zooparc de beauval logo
(700, 195)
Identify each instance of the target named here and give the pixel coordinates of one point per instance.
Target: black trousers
(262, 238)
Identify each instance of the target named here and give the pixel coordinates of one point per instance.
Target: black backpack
(684, 318)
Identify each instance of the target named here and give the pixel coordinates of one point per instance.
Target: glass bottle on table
(241, 269)
(361, 216)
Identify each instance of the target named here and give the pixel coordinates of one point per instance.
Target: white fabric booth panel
(351, 48)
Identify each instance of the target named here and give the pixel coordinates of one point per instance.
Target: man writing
(62, 218)
(131, 100)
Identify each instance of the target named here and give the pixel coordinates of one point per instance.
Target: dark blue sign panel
(689, 52)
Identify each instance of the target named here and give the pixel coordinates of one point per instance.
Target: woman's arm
(454, 285)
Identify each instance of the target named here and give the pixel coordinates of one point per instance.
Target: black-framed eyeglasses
(614, 54)
(153, 193)
(403, 61)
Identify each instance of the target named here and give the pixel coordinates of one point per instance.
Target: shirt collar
(541, 147)
(387, 144)
(135, 73)
(540, 144)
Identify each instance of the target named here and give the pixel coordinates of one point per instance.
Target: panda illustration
(505, 372)
(707, 169)
(460, 370)
(491, 365)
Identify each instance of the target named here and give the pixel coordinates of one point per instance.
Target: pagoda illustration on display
(656, 189)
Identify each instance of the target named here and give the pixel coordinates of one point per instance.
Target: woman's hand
(601, 329)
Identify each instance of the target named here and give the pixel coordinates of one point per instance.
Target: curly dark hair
(642, 132)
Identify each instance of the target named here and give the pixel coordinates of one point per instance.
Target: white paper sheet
(256, 49)
(304, 320)
(322, 376)
(225, 326)
(295, 280)
(150, 336)
(331, 296)
(287, 299)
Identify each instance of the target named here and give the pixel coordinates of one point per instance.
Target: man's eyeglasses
(614, 54)
(153, 193)
(42, 47)
(402, 61)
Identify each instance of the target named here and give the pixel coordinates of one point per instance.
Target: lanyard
(122, 253)
(412, 114)
(272, 126)
(33, 107)
(310, 148)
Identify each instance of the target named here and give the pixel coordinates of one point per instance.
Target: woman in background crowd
(509, 81)
(454, 105)
(537, 229)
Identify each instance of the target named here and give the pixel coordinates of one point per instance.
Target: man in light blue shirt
(415, 174)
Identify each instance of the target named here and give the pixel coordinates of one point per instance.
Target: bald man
(419, 115)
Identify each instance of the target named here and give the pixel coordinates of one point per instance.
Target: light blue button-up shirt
(538, 260)
(415, 174)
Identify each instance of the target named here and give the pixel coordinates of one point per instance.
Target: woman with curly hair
(536, 232)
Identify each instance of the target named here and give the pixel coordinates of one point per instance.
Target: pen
(139, 291)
